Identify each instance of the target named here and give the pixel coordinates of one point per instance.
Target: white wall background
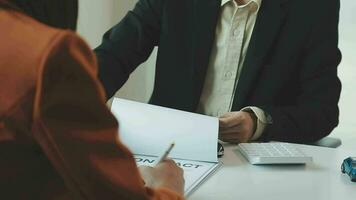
(347, 71)
(98, 16)
(95, 18)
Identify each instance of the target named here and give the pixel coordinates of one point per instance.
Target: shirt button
(236, 32)
(228, 75)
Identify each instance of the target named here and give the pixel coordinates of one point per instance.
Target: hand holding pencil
(165, 155)
(165, 173)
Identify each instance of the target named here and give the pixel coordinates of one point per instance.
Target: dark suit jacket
(290, 69)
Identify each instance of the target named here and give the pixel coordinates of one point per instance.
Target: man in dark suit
(267, 68)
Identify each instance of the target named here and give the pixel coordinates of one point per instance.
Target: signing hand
(166, 174)
(237, 127)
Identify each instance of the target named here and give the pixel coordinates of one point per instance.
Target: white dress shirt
(232, 37)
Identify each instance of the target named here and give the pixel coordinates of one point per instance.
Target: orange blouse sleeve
(77, 131)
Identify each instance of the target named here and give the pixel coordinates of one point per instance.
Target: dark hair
(57, 13)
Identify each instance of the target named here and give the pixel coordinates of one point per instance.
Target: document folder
(148, 129)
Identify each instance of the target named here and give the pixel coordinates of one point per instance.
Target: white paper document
(148, 130)
(195, 172)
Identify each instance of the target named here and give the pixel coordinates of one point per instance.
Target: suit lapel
(267, 27)
(205, 19)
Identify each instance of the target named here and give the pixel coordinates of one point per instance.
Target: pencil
(166, 153)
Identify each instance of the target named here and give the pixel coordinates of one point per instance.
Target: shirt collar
(258, 2)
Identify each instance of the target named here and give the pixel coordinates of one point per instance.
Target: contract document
(147, 130)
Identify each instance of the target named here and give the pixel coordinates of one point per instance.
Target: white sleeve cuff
(261, 121)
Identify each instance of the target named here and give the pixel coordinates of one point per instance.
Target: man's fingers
(230, 120)
(229, 136)
(233, 134)
(232, 128)
(232, 138)
(226, 122)
(235, 129)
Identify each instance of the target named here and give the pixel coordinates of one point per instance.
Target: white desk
(320, 180)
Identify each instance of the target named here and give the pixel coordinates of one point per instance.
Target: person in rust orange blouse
(58, 140)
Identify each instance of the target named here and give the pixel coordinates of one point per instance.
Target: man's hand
(237, 127)
(166, 174)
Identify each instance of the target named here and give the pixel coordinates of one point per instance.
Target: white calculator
(273, 153)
